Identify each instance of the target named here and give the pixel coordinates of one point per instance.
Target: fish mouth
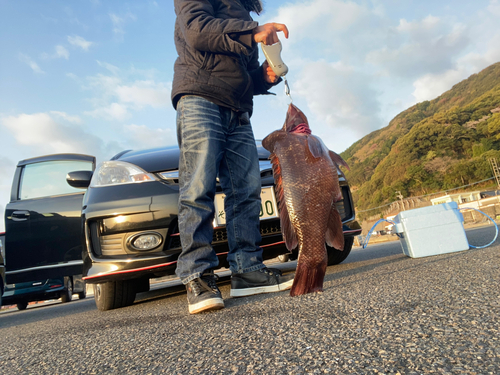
(296, 121)
(301, 129)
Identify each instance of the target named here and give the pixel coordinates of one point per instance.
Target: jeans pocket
(244, 118)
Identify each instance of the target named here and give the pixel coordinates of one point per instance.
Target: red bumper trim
(148, 268)
(129, 271)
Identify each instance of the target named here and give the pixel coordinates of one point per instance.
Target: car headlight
(119, 173)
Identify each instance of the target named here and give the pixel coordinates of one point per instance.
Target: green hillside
(433, 146)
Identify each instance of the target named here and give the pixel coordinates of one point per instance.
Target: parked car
(43, 247)
(21, 294)
(130, 222)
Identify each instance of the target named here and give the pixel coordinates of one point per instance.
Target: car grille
(112, 244)
(267, 227)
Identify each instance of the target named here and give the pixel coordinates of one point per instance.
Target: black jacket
(217, 58)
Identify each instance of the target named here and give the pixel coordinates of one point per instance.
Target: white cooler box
(431, 230)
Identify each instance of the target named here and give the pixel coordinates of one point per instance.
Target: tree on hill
(432, 146)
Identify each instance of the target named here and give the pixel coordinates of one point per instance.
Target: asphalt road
(380, 312)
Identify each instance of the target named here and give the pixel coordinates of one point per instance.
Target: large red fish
(307, 187)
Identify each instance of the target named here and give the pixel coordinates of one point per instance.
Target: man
(216, 76)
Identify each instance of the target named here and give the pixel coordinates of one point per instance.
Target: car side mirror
(79, 179)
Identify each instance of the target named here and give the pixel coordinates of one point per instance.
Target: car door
(43, 219)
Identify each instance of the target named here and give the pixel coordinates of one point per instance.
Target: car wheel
(283, 258)
(83, 294)
(22, 305)
(338, 256)
(67, 294)
(114, 294)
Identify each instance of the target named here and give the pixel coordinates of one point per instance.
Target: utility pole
(400, 196)
(496, 171)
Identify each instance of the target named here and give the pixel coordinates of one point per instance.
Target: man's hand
(269, 75)
(268, 33)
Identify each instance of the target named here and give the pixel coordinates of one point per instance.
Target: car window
(49, 178)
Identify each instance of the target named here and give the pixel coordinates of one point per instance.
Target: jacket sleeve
(204, 32)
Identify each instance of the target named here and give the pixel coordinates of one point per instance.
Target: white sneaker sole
(261, 289)
(207, 305)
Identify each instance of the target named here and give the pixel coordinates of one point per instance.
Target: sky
(94, 76)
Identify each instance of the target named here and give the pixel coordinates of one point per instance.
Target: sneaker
(265, 280)
(203, 294)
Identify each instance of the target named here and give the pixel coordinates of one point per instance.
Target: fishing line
(287, 89)
(493, 221)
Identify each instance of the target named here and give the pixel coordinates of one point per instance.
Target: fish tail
(308, 279)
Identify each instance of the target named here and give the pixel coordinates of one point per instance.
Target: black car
(2, 266)
(42, 247)
(130, 222)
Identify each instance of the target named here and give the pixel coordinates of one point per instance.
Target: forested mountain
(433, 146)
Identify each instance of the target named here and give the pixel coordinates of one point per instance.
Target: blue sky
(94, 77)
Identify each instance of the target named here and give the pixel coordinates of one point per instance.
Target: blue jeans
(213, 143)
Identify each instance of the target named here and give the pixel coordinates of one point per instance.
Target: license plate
(268, 206)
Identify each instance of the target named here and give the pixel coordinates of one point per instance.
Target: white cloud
(494, 8)
(115, 96)
(431, 86)
(60, 52)
(65, 116)
(334, 16)
(113, 69)
(145, 93)
(80, 42)
(45, 135)
(32, 64)
(114, 111)
(105, 85)
(329, 29)
(120, 21)
(140, 136)
(342, 97)
(428, 46)
(419, 30)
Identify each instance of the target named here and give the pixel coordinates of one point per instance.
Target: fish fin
(315, 146)
(337, 159)
(269, 142)
(334, 234)
(287, 229)
(308, 279)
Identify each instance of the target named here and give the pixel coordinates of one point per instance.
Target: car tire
(114, 294)
(22, 305)
(67, 294)
(83, 294)
(338, 256)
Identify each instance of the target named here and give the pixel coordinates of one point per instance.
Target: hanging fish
(307, 188)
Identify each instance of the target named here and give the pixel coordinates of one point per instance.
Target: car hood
(164, 158)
